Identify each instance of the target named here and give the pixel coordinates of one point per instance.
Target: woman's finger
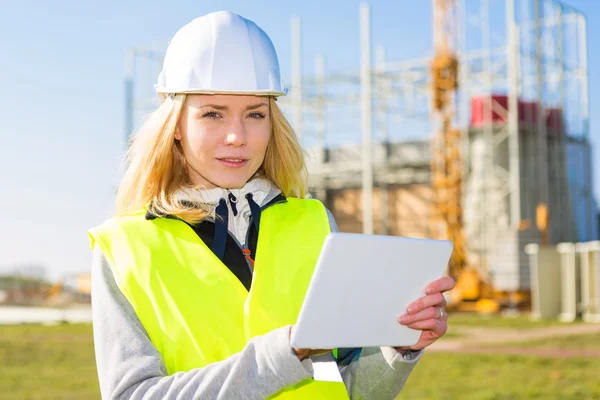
(440, 285)
(424, 302)
(437, 327)
(427, 313)
(444, 303)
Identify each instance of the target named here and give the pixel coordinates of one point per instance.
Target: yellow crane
(472, 292)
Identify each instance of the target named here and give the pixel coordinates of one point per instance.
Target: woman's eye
(211, 115)
(256, 115)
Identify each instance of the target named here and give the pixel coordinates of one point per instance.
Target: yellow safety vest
(195, 310)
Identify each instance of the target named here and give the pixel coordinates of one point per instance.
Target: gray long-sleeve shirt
(130, 367)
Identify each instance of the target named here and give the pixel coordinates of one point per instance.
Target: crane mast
(446, 160)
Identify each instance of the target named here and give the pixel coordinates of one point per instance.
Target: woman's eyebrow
(215, 106)
(222, 107)
(255, 106)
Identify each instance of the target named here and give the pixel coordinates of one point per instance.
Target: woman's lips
(233, 162)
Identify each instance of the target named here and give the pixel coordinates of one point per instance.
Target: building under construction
(521, 108)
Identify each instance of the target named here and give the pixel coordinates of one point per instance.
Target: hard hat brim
(274, 93)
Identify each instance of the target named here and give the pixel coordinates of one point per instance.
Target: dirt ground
(497, 341)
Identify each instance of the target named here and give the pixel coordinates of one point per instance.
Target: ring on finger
(441, 316)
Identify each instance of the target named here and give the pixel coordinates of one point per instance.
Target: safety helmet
(221, 52)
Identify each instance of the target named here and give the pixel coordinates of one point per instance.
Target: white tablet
(362, 284)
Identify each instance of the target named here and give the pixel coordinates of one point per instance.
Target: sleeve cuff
(283, 358)
(394, 358)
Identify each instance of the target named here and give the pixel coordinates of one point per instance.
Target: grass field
(495, 321)
(500, 377)
(57, 362)
(47, 362)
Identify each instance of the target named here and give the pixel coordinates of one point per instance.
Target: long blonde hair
(156, 169)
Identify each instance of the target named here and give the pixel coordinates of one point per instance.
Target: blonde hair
(156, 169)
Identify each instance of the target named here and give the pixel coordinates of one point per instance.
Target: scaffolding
(522, 65)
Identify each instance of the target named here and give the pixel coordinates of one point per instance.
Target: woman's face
(224, 138)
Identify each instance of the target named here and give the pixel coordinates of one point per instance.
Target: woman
(189, 301)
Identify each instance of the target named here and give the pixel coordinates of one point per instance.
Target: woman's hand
(304, 353)
(428, 314)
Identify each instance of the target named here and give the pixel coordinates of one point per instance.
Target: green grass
(590, 341)
(57, 362)
(47, 362)
(500, 377)
(499, 321)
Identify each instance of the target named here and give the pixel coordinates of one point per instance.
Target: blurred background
(473, 120)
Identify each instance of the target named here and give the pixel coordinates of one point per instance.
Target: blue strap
(221, 226)
(255, 210)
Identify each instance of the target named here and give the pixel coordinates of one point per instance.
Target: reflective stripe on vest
(194, 308)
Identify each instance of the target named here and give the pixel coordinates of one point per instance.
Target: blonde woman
(198, 281)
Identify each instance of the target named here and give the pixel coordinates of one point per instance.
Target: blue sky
(62, 66)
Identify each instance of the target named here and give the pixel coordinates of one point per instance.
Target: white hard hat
(221, 52)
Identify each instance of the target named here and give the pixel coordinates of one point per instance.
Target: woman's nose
(237, 135)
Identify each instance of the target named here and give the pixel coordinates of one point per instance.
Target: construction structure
(474, 289)
(521, 114)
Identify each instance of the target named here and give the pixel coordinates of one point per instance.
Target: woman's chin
(232, 182)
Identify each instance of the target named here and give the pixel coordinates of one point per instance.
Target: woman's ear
(177, 134)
